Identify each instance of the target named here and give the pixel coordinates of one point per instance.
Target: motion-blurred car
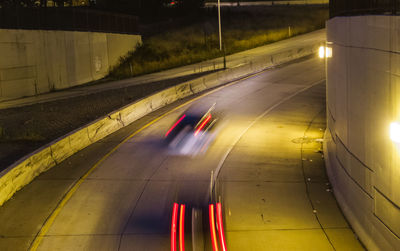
(192, 132)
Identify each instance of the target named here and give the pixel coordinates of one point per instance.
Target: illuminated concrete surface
(126, 203)
(363, 100)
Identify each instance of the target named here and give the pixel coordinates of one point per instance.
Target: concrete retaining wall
(363, 98)
(37, 61)
(25, 170)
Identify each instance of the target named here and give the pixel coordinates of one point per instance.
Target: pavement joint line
(157, 180)
(307, 184)
(264, 181)
(147, 234)
(138, 199)
(74, 235)
(50, 220)
(47, 179)
(285, 229)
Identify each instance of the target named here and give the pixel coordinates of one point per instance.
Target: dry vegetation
(243, 28)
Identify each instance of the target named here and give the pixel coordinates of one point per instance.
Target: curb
(27, 168)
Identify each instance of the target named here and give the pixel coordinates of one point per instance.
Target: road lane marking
(50, 220)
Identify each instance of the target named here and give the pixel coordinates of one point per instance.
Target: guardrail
(67, 18)
(363, 7)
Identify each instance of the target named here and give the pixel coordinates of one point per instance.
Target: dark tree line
(31, 3)
(127, 6)
(45, 3)
(150, 7)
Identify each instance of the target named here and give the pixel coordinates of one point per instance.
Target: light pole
(219, 25)
(220, 32)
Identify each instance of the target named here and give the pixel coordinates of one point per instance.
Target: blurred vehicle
(192, 132)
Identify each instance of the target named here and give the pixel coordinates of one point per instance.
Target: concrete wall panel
(357, 31)
(19, 88)
(357, 89)
(55, 69)
(395, 34)
(13, 54)
(61, 59)
(78, 58)
(99, 54)
(337, 32)
(357, 170)
(387, 212)
(371, 33)
(331, 86)
(368, 92)
(339, 84)
(42, 85)
(117, 45)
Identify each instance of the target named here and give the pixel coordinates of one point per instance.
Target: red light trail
(212, 228)
(182, 229)
(176, 123)
(202, 125)
(221, 227)
(173, 227)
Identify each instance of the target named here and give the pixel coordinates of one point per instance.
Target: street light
(219, 25)
(325, 52)
(220, 32)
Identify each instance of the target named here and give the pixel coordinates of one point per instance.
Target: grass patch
(243, 28)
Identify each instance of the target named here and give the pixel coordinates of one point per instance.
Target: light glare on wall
(395, 132)
(328, 52)
(321, 51)
(324, 52)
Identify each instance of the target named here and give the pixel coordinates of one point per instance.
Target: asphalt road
(266, 159)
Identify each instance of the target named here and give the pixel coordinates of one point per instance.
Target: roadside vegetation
(181, 43)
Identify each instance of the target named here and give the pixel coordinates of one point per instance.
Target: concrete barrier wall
(37, 61)
(25, 170)
(363, 98)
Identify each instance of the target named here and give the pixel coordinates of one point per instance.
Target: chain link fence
(363, 7)
(70, 19)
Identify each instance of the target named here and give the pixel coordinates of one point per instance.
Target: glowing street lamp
(395, 132)
(325, 52)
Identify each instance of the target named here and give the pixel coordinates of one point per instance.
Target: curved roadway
(266, 160)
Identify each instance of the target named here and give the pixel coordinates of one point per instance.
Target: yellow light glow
(321, 52)
(328, 52)
(395, 132)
